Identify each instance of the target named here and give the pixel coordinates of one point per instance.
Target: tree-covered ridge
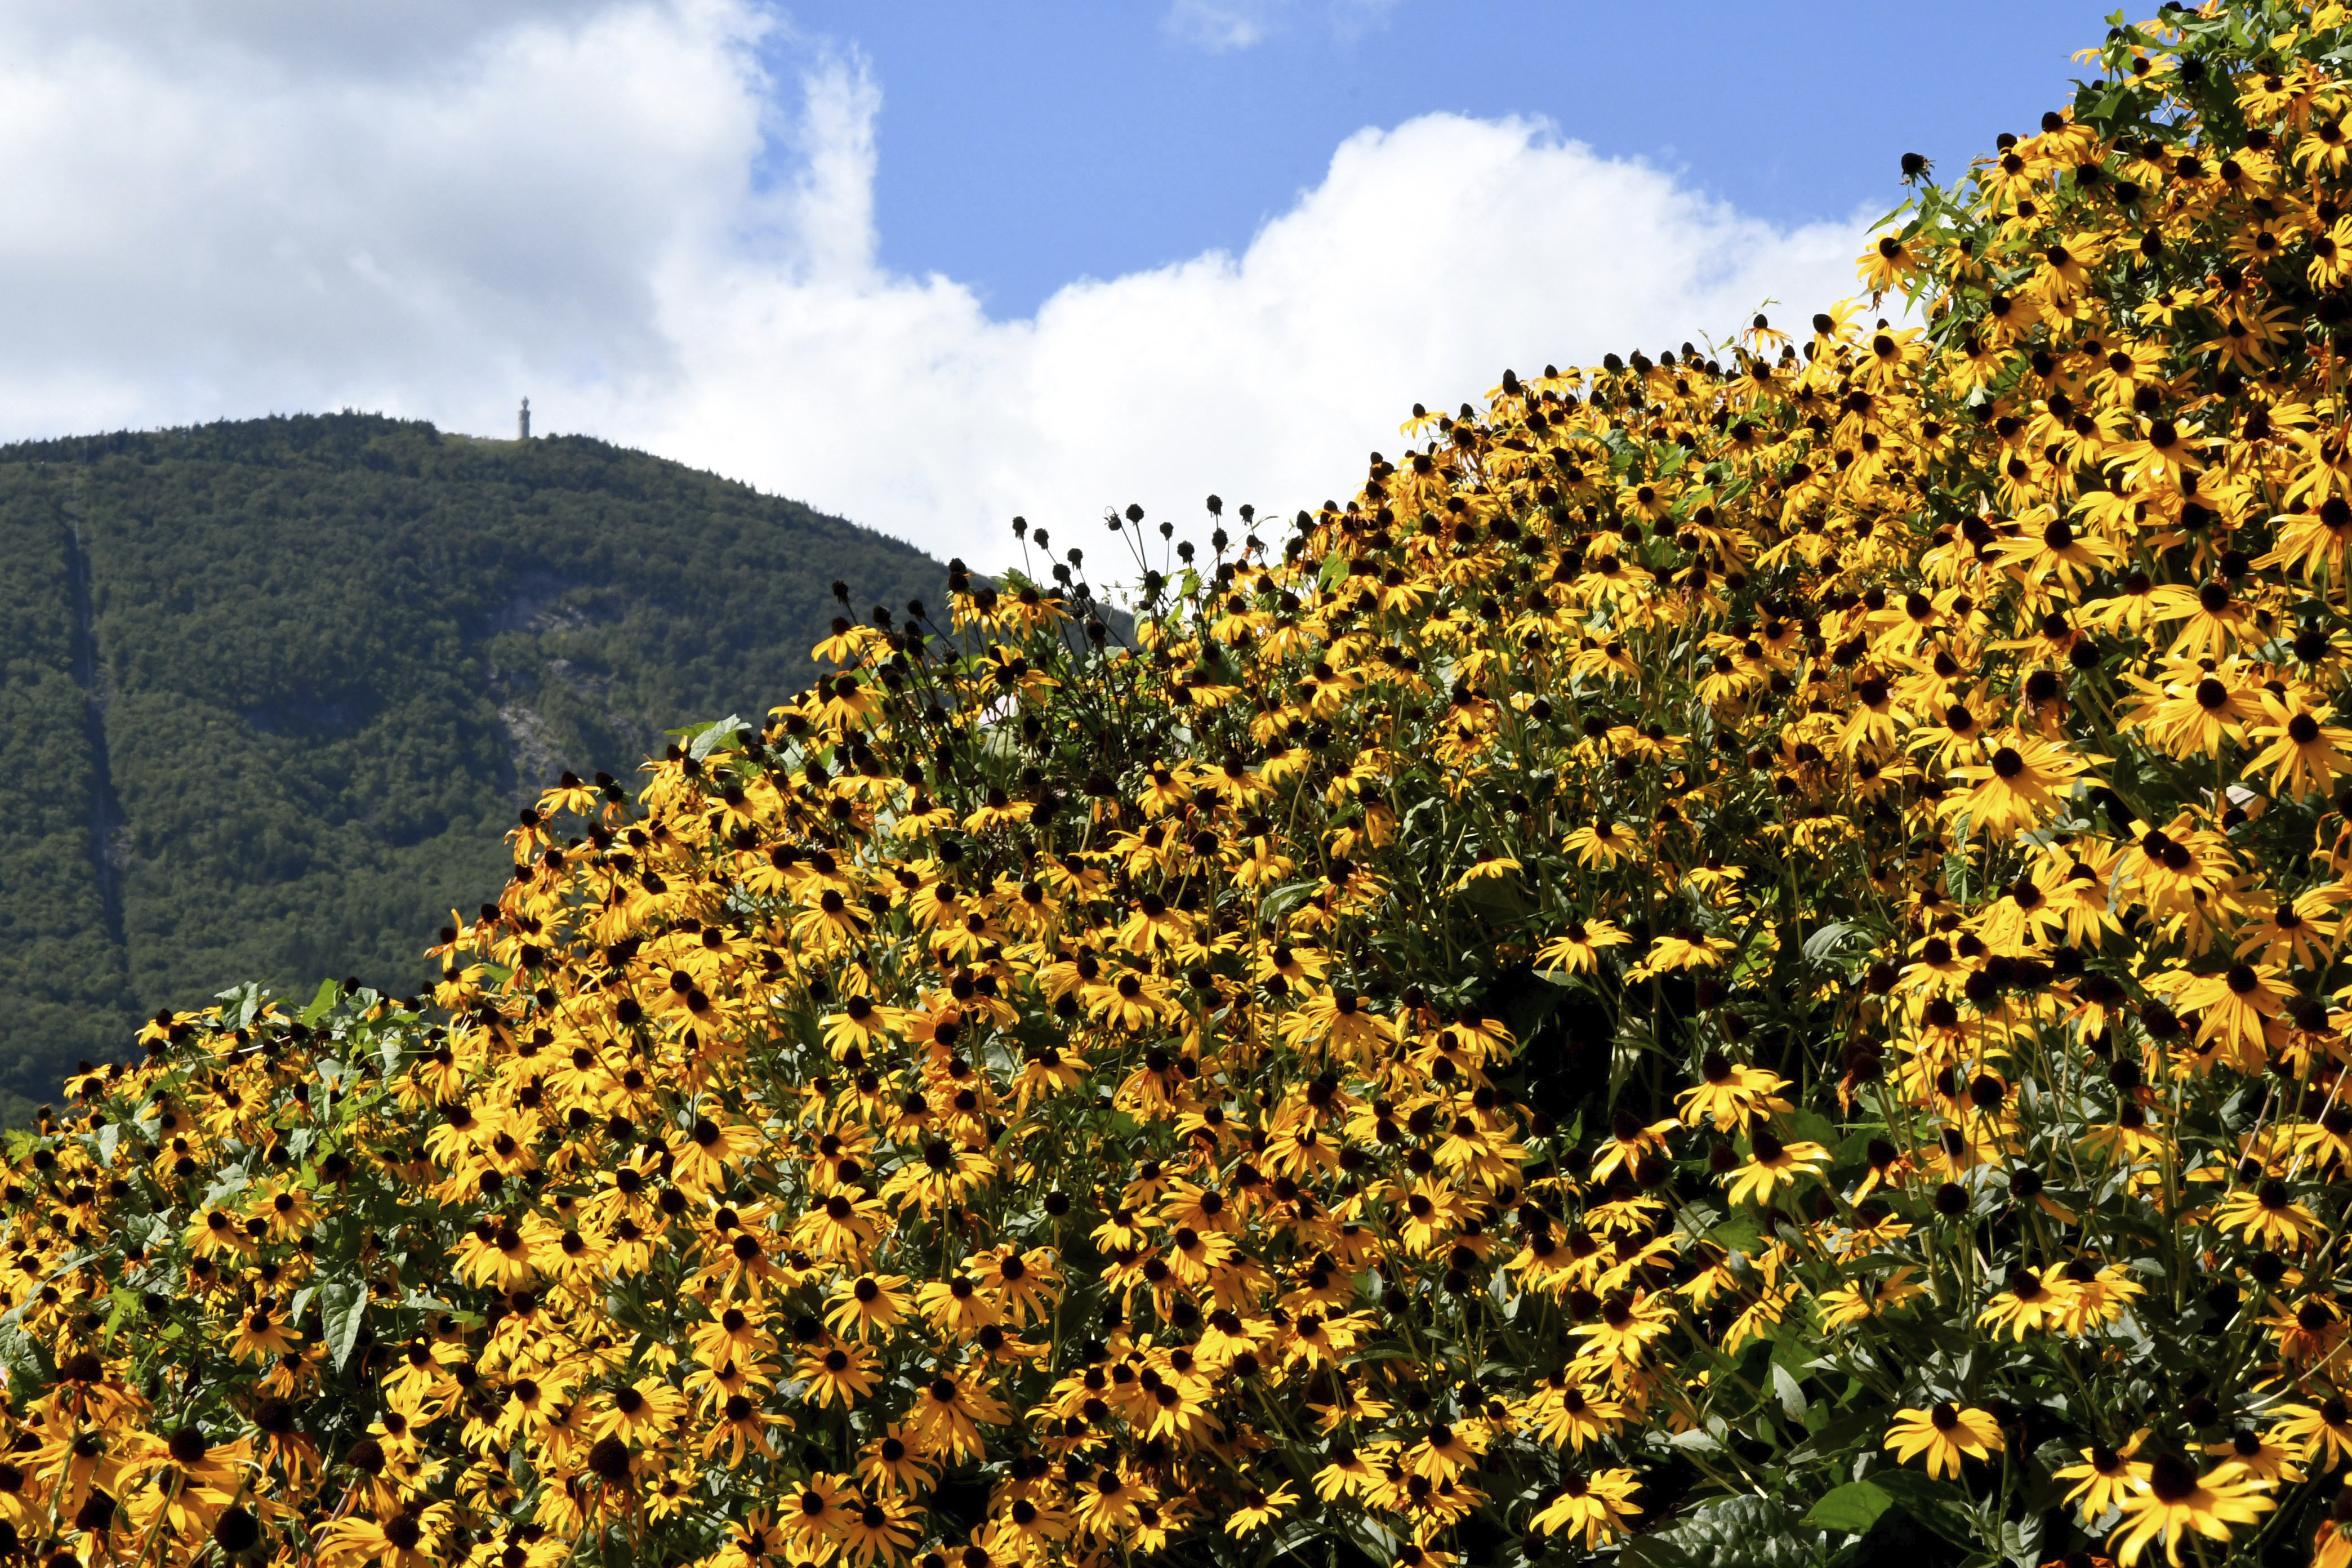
(297, 674)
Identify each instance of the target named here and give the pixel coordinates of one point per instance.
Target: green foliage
(270, 691)
(61, 975)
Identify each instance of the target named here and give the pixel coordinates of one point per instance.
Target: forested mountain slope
(270, 691)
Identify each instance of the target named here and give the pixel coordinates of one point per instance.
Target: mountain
(270, 691)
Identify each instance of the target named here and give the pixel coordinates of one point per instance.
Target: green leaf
(1940, 1507)
(1891, 216)
(231, 1180)
(1740, 1232)
(1286, 898)
(155, 1233)
(1696, 1218)
(1729, 1533)
(713, 736)
(1792, 1397)
(239, 1004)
(29, 1367)
(323, 1003)
(1813, 1128)
(1832, 1438)
(1854, 1146)
(1334, 573)
(2020, 1541)
(1826, 941)
(1851, 1509)
(344, 1305)
(1498, 899)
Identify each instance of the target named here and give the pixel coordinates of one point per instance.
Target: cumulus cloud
(223, 225)
(604, 208)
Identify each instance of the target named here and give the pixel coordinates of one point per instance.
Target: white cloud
(581, 204)
(1222, 25)
(219, 230)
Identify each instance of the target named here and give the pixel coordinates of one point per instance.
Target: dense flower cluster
(1736, 959)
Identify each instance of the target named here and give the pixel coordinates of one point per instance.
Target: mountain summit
(271, 690)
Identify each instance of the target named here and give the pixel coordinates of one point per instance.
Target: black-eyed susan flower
(2104, 1479)
(2173, 1503)
(1773, 1164)
(1596, 1507)
(1943, 1434)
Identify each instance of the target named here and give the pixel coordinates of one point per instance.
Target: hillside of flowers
(1735, 960)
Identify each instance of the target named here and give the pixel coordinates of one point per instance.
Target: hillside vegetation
(270, 691)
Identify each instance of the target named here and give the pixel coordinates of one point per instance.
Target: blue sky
(1024, 145)
(931, 265)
